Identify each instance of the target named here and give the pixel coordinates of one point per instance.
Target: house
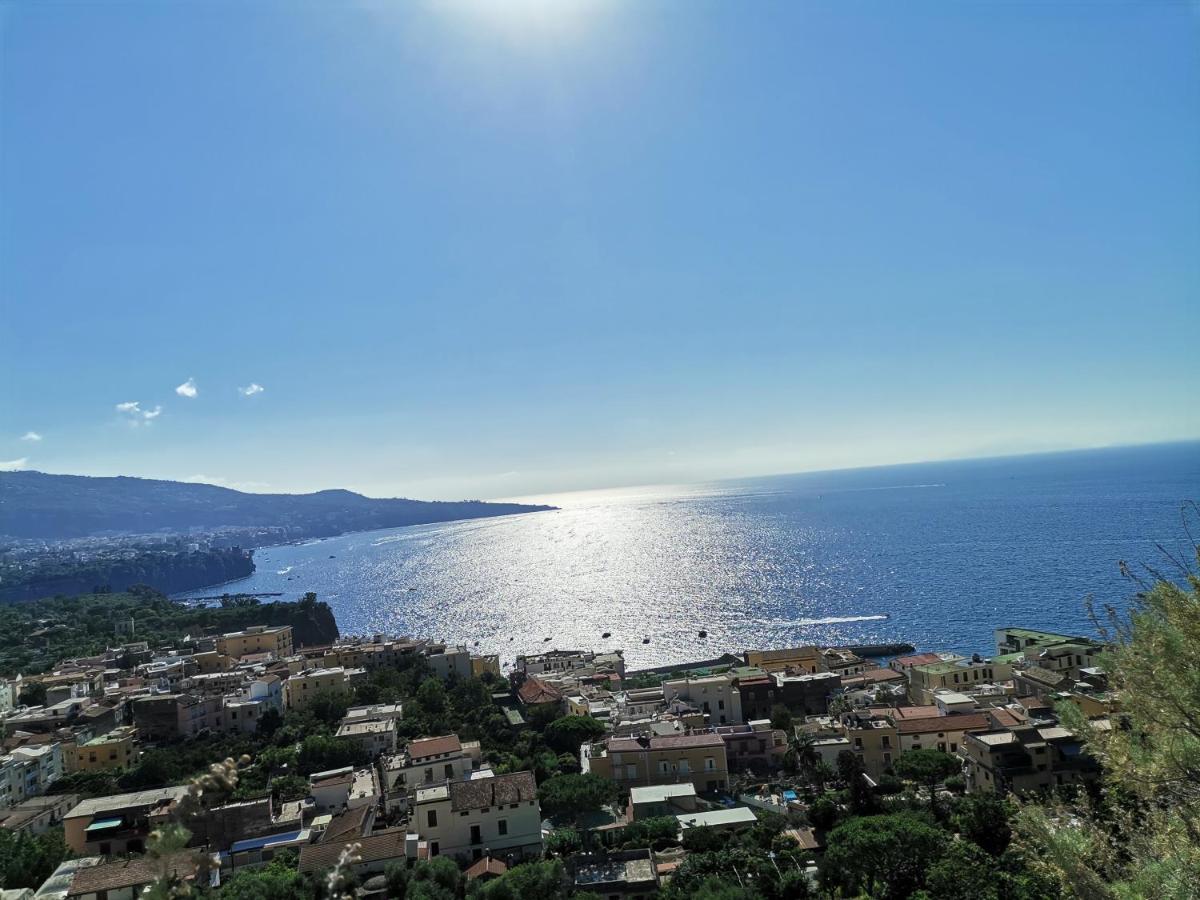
(275, 640)
(940, 732)
(807, 694)
(904, 664)
(126, 879)
(669, 759)
(426, 761)
(873, 738)
(719, 819)
(36, 815)
(375, 853)
(115, 750)
(170, 717)
(376, 738)
(485, 869)
(118, 824)
(496, 815)
(625, 874)
(661, 800)
(536, 692)
(449, 662)
(344, 788)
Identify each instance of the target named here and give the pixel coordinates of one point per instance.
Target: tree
(964, 873)
(563, 842)
(566, 734)
(32, 694)
(573, 795)
(929, 767)
(278, 880)
(1143, 837)
(27, 860)
(657, 833)
(851, 770)
(983, 819)
(537, 880)
(320, 753)
(781, 718)
(884, 856)
(704, 840)
(431, 695)
(823, 813)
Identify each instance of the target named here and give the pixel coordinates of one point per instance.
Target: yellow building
(873, 738)
(302, 687)
(257, 639)
(115, 750)
(802, 659)
(671, 759)
(956, 675)
(481, 664)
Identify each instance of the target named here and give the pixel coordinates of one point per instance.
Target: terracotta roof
(346, 826)
(535, 691)
(128, 873)
(486, 866)
(964, 722)
(916, 712)
(874, 675)
(434, 746)
(806, 837)
(372, 848)
(665, 742)
(481, 793)
(1004, 718)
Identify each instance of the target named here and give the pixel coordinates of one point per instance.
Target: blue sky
(472, 248)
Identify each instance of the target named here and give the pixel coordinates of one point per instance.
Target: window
(710, 764)
(476, 835)
(631, 772)
(720, 704)
(502, 825)
(449, 771)
(664, 766)
(429, 774)
(683, 766)
(433, 848)
(431, 818)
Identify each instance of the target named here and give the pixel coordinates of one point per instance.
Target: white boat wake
(831, 620)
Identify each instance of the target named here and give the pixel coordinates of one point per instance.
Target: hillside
(51, 507)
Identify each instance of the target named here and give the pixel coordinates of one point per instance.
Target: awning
(105, 824)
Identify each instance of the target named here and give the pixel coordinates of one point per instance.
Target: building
(119, 824)
(874, 739)
(427, 761)
(494, 815)
(661, 800)
(719, 819)
(670, 759)
(536, 692)
(793, 659)
(925, 681)
(275, 640)
(939, 732)
(115, 750)
(127, 879)
(170, 717)
(1025, 758)
(448, 662)
(622, 875)
(1020, 640)
(904, 664)
(302, 687)
(717, 696)
(342, 789)
(807, 694)
(375, 853)
(377, 738)
(36, 815)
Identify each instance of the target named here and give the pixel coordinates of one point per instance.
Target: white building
(495, 815)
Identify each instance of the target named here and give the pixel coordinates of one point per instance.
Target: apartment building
(925, 681)
(375, 737)
(494, 815)
(257, 639)
(115, 750)
(119, 824)
(874, 739)
(1025, 758)
(301, 688)
(717, 696)
(939, 732)
(793, 659)
(672, 759)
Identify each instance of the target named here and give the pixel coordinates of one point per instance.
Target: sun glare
(526, 20)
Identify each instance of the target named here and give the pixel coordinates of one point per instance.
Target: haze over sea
(935, 554)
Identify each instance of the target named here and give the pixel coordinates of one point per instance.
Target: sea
(936, 555)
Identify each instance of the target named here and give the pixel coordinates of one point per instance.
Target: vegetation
(36, 635)
(573, 795)
(26, 860)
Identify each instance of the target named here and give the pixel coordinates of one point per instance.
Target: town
(386, 760)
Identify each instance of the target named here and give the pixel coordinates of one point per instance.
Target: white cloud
(188, 389)
(135, 415)
(31, 436)
(11, 465)
(251, 389)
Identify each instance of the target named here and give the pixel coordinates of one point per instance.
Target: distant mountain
(37, 505)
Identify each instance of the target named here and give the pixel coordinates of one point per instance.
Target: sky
(476, 248)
